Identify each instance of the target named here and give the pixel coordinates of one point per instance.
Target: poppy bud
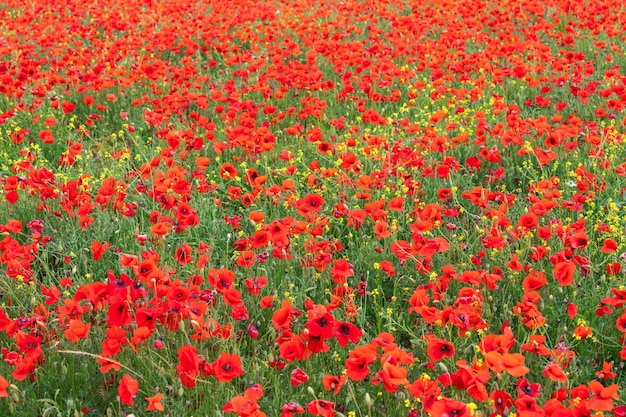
(443, 367)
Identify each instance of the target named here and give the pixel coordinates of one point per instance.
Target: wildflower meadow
(349, 208)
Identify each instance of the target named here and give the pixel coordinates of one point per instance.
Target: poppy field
(343, 208)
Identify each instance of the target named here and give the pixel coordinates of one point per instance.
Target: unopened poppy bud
(310, 390)
(368, 400)
(443, 367)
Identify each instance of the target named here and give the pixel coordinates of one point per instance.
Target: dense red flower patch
(333, 208)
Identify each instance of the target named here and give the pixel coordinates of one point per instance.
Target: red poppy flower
(578, 393)
(4, 384)
(606, 372)
(603, 397)
(345, 331)
(228, 171)
(526, 388)
(396, 203)
(12, 226)
(246, 259)
(291, 408)
(388, 268)
(227, 367)
(470, 378)
(52, 293)
(183, 254)
(119, 314)
(188, 365)
(154, 403)
(439, 348)
(609, 246)
(513, 364)
(419, 300)
(246, 405)
(310, 203)
(528, 221)
(77, 330)
(502, 401)
(321, 325)
(98, 249)
(255, 284)
(359, 359)
(127, 389)
(448, 407)
(527, 406)
(619, 411)
(315, 344)
(242, 406)
(381, 229)
(536, 345)
(221, 279)
(281, 319)
(116, 337)
(392, 376)
(579, 240)
(444, 194)
(259, 239)
(572, 310)
(266, 302)
(321, 408)
(298, 376)
(159, 229)
(534, 281)
(425, 390)
(293, 349)
(544, 156)
(613, 268)
(341, 270)
(564, 273)
(108, 364)
(333, 383)
(248, 198)
(402, 249)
